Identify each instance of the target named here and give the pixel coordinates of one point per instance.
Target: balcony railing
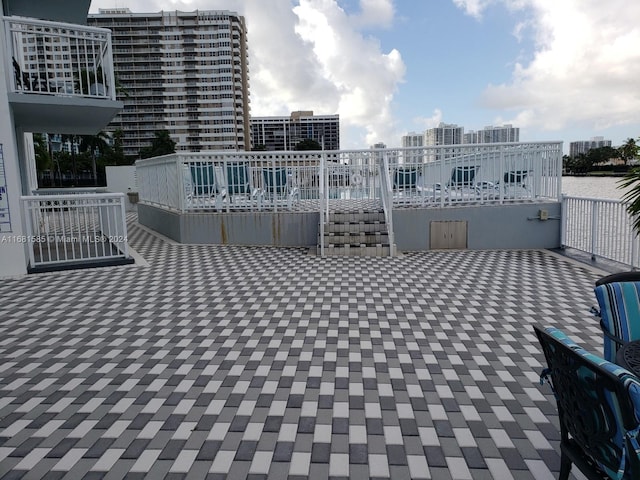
(75, 229)
(52, 58)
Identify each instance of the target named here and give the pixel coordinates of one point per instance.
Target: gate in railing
(75, 229)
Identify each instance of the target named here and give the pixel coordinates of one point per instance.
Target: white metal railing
(601, 228)
(485, 173)
(75, 228)
(387, 202)
(53, 58)
(308, 181)
(229, 181)
(324, 203)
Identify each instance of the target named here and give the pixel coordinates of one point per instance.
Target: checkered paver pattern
(223, 362)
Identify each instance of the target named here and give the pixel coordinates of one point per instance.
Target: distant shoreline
(595, 174)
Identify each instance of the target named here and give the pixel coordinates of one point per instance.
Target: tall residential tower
(583, 146)
(185, 72)
(284, 133)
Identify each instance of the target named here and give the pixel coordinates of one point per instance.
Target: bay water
(593, 187)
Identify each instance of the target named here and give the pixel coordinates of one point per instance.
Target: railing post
(564, 205)
(321, 194)
(502, 187)
(28, 215)
(123, 213)
(559, 169)
(594, 229)
(386, 193)
(634, 244)
(181, 188)
(442, 176)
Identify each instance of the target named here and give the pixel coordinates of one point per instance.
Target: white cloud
(375, 13)
(429, 122)
(312, 56)
(473, 7)
(585, 67)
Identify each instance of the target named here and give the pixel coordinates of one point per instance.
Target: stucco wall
(241, 228)
(489, 227)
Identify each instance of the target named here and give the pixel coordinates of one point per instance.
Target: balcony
(63, 79)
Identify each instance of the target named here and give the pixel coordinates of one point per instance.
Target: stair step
(356, 227)
(352, 217)
(360, 233)
(352, 239)
(357, 250)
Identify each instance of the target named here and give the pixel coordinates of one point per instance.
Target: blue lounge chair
(515, 184)
(205, 191)
(463, 181)
(276, 186)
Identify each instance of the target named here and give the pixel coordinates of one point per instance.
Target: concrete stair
(356, 234)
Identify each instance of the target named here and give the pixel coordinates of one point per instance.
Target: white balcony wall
(59, 76)
(13, 258)
(49, 71)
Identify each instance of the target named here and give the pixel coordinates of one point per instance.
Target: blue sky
(560, 70)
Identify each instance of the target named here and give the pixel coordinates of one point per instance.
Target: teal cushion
(620, 313)
(620, 454)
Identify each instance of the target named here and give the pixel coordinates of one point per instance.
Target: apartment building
(444, 134)
(583, 146)
(185, 72)
(285, 132)
(413, 139)
(499, 134)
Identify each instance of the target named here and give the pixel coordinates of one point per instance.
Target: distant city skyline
(389, 67)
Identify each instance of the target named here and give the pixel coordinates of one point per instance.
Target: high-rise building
(185, 72)
(504, 134)
(582, 147)
(284, 133)
(444, 134)
(413, 139)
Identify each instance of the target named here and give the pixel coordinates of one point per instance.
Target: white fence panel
(75, 228)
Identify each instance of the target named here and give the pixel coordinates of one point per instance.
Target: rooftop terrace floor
(242, 362)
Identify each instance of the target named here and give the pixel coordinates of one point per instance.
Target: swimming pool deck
(223, 362)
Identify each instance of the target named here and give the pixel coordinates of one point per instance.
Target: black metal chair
(596, 401)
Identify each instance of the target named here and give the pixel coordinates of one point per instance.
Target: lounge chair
(596, 401)
(463, 180)
(405, 184)
(618, 298)
(405, 179)
(205, 191)
(277, 187)
(515, 185)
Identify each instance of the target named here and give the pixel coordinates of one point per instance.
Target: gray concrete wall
(162, 221)
(489, 226)
(234, 228)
